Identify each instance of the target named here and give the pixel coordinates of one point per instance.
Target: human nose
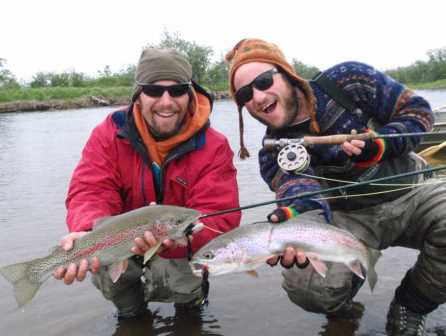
(165, 99)
(258, 96)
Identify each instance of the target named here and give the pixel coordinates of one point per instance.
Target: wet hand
(143, 244)
(75, 272)
(353, 147)
(290, 257)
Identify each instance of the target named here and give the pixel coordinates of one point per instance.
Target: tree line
(211, 74)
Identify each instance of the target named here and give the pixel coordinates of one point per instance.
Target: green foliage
(74, 79)
(439, 84)
(423, 71)
(303, 70)
(217, 76)
(7, 79)
(198, 56)
(49, 93)
(64, 79)
(213, 75)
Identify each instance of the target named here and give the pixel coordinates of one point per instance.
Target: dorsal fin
(100, 222)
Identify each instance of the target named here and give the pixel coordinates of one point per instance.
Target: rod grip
(337, 139)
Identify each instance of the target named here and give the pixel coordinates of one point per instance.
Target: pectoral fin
(318, 265)
(355, 267)
(150, 253)
(116, 269)
(100, 222)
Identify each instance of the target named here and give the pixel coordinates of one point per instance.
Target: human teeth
(269, 107)
(165, 114)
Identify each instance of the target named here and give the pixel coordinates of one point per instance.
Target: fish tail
(373, 256)
(25, 286)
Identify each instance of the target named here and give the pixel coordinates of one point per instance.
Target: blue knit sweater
(385, 103)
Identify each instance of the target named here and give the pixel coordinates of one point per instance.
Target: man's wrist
(283, 213)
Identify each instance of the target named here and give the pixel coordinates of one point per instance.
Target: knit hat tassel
(243, 152)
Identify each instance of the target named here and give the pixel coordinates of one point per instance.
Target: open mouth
(269, 108)
(165, 114)
(198, 268)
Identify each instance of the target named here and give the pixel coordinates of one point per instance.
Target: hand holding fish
(73, 272)
(148, 242)
(291, 255)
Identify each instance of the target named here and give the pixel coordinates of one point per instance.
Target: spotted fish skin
(249, 246)
(110, 241)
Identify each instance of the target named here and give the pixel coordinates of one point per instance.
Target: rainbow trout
(110, 241)
(249, 246)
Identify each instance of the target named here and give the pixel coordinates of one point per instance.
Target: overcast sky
(87, 35)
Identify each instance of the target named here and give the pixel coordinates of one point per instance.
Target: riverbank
(62, 98)
(437, 85)
(60, 104)
(44, 99)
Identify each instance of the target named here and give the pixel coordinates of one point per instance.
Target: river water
(38, 153)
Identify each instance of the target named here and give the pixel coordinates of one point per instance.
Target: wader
(161, 280)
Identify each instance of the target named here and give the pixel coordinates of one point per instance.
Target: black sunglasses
(262, 82)
(157, 91)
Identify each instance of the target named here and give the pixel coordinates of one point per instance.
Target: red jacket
(113, 177)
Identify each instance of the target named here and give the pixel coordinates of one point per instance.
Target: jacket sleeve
(215, 189)
(288, 185)
(395, 108)
(94, 188)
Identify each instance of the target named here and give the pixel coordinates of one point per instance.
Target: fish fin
(253, 273)
(150, 253)
(125, 265)
(355, 267)
(99, 222)
(116, 269)
(373, 256)
(25, 286)
(318, 265)
(55, 249)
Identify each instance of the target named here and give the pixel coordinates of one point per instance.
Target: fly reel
(293, 158)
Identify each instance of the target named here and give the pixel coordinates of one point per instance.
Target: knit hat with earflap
(256, 50)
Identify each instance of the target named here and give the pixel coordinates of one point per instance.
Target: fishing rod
(293, 156)
(323, 191)
(337, 139)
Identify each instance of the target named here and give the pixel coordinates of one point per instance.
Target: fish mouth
(198, 268)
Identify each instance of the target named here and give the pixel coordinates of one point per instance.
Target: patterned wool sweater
(387, 107)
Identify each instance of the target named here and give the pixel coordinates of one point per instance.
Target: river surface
(38, 153)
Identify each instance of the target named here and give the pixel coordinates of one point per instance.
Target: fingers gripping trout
(110, 241)
(249, 246)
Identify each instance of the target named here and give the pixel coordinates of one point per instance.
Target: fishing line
(327, 190)
(374, 184)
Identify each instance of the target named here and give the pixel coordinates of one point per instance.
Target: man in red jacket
(161, 149)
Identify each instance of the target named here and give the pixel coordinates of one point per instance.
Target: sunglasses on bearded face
(156, 91)
(262, 82)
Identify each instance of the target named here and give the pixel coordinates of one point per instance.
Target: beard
(290, 104)
(159, 133)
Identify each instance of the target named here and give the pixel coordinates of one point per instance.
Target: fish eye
(208, 255)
